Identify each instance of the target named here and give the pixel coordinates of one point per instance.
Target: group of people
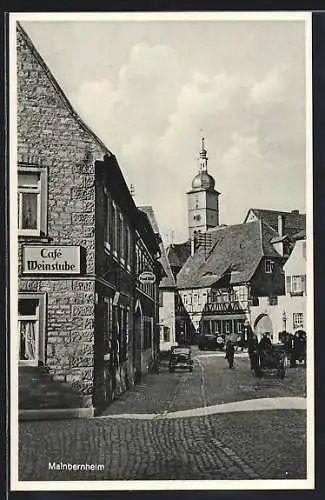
(256, 350)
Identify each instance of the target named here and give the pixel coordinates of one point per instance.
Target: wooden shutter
(288, 284)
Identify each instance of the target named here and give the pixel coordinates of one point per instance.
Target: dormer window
(269, 266)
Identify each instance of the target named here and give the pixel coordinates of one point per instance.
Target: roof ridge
(53, 81)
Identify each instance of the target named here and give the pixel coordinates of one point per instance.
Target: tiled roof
(178, 253)
(233, 251)
(293, 221)
(168, 280)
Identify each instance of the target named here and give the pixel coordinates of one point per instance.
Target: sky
(150, 90)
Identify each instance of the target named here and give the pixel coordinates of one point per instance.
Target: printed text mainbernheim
(68, 466)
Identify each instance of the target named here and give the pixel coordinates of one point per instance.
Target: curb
(55, 414)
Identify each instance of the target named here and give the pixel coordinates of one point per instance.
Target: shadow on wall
(38, 390)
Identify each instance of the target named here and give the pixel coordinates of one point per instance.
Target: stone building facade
(77, 230)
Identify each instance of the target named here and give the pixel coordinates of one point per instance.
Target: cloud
(270, 89)
(153, 115)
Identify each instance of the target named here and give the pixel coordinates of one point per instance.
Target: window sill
(36, 237)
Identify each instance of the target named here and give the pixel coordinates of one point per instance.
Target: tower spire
(203, 157)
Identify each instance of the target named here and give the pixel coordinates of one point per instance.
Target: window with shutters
(32, 201)
(31, 328)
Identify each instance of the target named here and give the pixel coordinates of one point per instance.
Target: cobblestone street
(243, 445)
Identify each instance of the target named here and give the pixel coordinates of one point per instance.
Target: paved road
(242, 445)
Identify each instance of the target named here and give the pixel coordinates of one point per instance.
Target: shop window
(31, 329)
(298, 320)
(32, 201)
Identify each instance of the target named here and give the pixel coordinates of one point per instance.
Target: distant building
(287, 225)
(226, 275)
(288, 313)
(85, 325)
(167, 288)
(229, 270)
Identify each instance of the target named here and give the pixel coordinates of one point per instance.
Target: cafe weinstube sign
(50, 259)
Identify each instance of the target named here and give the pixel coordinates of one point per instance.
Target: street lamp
(284, 319)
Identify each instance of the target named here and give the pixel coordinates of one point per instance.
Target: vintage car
(180, 357)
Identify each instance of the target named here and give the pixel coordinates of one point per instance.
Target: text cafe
(52, 259)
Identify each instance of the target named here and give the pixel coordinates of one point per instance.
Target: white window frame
(269, 266)
(41, 192)
(296, 323)
(40, 319)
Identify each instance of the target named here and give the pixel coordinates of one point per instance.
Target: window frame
(108, 220)
(40, 330)
(42, 200)
(270, 263)
(296, 324)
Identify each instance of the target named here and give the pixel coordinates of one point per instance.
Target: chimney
(280, 225)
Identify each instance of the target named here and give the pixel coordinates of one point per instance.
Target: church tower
(203, 199)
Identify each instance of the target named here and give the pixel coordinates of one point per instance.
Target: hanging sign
(147, 278)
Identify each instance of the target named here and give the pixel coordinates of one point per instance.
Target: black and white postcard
(161, 243)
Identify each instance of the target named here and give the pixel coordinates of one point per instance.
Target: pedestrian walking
(253, 351)
(230, 353)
